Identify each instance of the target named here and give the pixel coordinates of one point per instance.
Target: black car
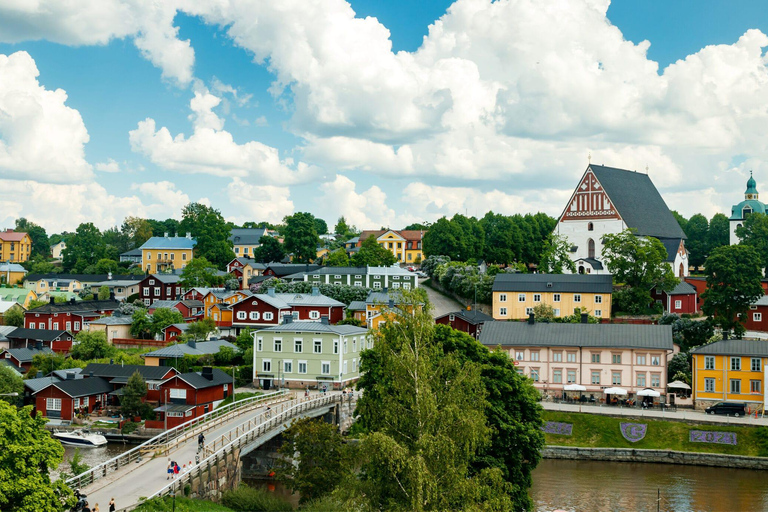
(728, 408)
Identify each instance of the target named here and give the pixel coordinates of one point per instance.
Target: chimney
(725, 335)
(38, 345)
(315, 291)
(208, 372)
(90, 373)
(192, 344)
(584, 318)
(391, 303)
(109, 276)
(70, 375)
(71, 300)
(271, 291)
(531, 319)
(51, 300)
(324, 320)
(39, 375)
(287, 319)
(189, 235)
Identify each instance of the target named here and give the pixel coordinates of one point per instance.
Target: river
(91, 456)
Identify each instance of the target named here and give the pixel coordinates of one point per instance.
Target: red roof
(10, 235)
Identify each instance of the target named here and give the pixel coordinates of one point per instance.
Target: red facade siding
(757, 325)
(166, 291)
(72, 322)
(171, 333)
(688, 303)
(459, 324)
(67, 402)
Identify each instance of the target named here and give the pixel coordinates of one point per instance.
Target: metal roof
(113, 320)
(77, 307)
(12, 267)
(554, 283)
(174, 408)
(117, 370)
(757, 348)
(24, 355)
(522, 334)
(167, 242)
(683, 288)
(245, 236)
(317, 327)
(356, 305)
(200, 348)
(392, 271)
(473, 317)
(36, 334)
(165, 278)
(35, 385)
(83, 387)
(197, 381)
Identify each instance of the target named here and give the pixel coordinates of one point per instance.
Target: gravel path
(440, 303)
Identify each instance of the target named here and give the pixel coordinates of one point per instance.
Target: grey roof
(243, 236)
(12, 267)
(375, 297)
(113, 320)
(36, 334)
(201, 348)
(356, 305)
(392, 271)
(593, 262)
(284, 269)
(35, 385)
(83, 278)
(5, 362)
(125, 371)
(120, 282)
(85, 306)
(317, 327)
(84, 387)
(473, 317)
(555, 283)
(683, 288)
(757, 348)
(168, 242)
(174, 408)
(62, 374)
(671, 245)
(638, 202)
(353, 240)
(181, 327)
(24, 355)
(762, 301)
(133, 252)
(167, 278)
(197, 381)
(286, 300)
(166, 304)
(522, 334)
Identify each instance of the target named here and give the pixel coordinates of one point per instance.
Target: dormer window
(746, 212)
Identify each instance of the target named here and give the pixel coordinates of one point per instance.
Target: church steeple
(751, 192)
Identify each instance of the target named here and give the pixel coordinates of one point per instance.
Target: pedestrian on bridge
(112, 505)
(170, 469)
(200, 442)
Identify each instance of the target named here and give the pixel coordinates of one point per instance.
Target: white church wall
(578, 234)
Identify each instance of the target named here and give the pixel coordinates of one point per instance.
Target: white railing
(171, 437)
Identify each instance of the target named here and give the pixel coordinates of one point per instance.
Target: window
(536, 297)
(77, 326)
(53, 404)
(519, 355)
(395, 286)
(757, 317)
(156, 291)
(68, 326)
(297, 345)
(598, 312)
(556, 312)
(345, 346)
(735, 363)
(616, 358)
(287, 366)
(709, 385)
(595, 357)
(178, 393)
(534, 355)
(598, 299)
(502, 297)
(655, 360)
(655, 380)
(254, 315)
(736, 386)
(147, 302)
(756, 364)
(535, 374)
(640, 359)
(278, 343)
(590, 227)
(557, 376)
(678, 304)
(241, 315)
(325, 367)
(335, 346)
(755, 386)
(302, 367)
(571, 376)
(55, 326)
(266, 365)
(556, 297)
(359, 283)
(520, 297)
(145, 290)
(503, 311)
(151, 281)
(596, 377)
(571, 356)
(641, 380)
(528, 311)
(616, 378)
(268, 316)
(184, 256)
(557, 357)
(576, 297)
(259, 344)
(32, 325)
(344, 367)
(377, 284)
(709, 362)
(317, 347)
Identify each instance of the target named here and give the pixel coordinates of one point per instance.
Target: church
(747, 207)
(608, 201)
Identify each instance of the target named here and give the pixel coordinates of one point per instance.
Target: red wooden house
(684, 298)
(156, 287)
(117, 375)
(757, 316)
(189, 395)
(470, 322)
(191, 310)
(195, 294)
(64, 399)
(58, 341)
(69, 316)
(268, 309)
(173, 331)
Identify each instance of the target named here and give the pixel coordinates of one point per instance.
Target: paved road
(680, 414)
(441, 304)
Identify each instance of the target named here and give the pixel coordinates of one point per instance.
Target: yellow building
(22, 296)
(15, 246)
(515, 295)
(12, 273)
(381, 307)
(405, 244)
(730, 371)
(220, 296)
(54, 284)
(164, 253)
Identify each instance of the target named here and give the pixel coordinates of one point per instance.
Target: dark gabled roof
(245, 236)
(86, 306)
(671, 245)
(757, 348)
(197, 381)
(473, 317)
(132, 252)
(125, 371)
(284, 269)
(164, 278)
(317, 327)
(393, 271)
(25, 355)
(5, 362)
(83, 387)
(35, 334)
(683, 288)
(560, 283)
(638, 202)
(200, 348)
(35, 385)
(592, 262)
(522, 334)
(90, 278)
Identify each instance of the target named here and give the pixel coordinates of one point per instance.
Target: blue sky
(307, 108)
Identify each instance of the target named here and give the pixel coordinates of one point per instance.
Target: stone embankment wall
(658, 456)
(211, 481)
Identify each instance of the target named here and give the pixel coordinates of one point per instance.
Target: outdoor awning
(648, 392)
(615, 391)
(574, 387)
(678, 384)
(174, 408)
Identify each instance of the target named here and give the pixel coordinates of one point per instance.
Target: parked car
(421, 274)
(729, 408)
(411, 269)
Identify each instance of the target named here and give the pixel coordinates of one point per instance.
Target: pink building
(596, 356)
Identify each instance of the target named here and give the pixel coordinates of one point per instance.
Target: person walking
(95, 508)
(200, 442)
(112, 505)
(176, 470)
(169, 470)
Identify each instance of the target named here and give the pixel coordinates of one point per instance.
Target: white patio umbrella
(648, 392)
(615, 391)
(574, 387)
(678, 384)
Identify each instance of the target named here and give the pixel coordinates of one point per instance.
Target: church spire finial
(646, 168)
(589, 157)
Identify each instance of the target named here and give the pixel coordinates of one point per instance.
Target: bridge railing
(227, 444)
(173, 436)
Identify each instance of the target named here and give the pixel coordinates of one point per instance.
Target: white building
(744, 209)
(608, 201)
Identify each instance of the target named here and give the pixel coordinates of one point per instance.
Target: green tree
(321, 227)
(14, 316)
(301, 237)
(338, 258)
(269, 250)
(733, 284)
(137, 230)
(141, 324)
(39, 266)
(754, 233)
(544, 313)
(163, 317)
(688, 333)
(316, 459)
(210, 231)
(91, 345)
(640, 263)
(199, 272)
(556, 257)
(373, 254)
(680, 363)
(682, 221)
(105, 266)
(244, 341)
(104, 292)
(200, 330)
(76, 465)
(40, 244)
(719, 231)
(84, 248)
(27, 455)
(444, 239)
(11, 382)
(342, 228)
(417, 226)
(697, 231)
(502, 238)
(131, 403)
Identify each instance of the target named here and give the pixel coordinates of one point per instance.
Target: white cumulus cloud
(258, 203)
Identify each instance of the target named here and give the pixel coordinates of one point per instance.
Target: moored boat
(80, 438)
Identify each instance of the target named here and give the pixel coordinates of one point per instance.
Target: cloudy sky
(387, 112)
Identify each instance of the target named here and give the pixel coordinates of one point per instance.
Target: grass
(597, 431)
(182, 505)
(239, 396)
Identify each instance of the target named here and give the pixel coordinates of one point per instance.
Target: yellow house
(245, 241)
(22, 296)
(11, 273)
(381, 307)
(15, 246)
(730, 370)
(54, 284)
(515, 295)
(214, 297)
(405, 244)
(163, 253)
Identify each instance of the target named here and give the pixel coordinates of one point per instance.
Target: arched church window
(581, 269)
(590, 248)
(590, 227)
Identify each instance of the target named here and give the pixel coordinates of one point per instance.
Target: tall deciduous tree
(754, 233)
(321, 227)
(200, 330)
(210, 231)
(733, 284)
(14, 316)
(92, 345)
(11, 382)
(338, 258)
(719, 231)
(301, 237)
(682, 221)
(84, 248)
(373, 254)
(133, 393)
(141, 324)
(444, 238)
(269, 250)
(27, 455)
(200, 272)
(163, 317)
(556, 257)
(502, 238)
(137, 230)
(40, 244)
(697, 231)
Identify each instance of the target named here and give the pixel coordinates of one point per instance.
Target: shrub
(249, 499)
(130, 427)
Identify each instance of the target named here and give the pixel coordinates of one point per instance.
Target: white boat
(80, 438)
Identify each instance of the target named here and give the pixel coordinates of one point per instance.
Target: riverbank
(598, 431)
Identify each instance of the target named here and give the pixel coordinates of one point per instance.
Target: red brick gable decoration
(589, 201)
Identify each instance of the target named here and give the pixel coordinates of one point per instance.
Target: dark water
(92, 456)
(622, 486)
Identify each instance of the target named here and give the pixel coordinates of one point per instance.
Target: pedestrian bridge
(231, 432)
